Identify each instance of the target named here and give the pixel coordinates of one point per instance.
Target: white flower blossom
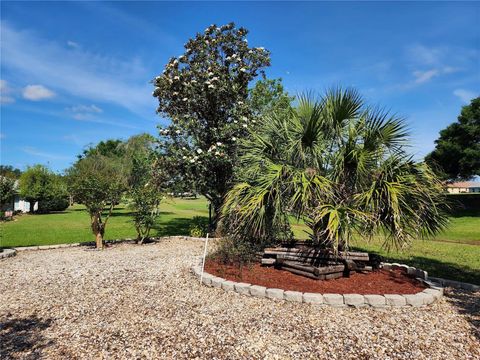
(210, 73)
(217, 153)
(184, 157)
(177, 131)
(192, 161)
(244, 118)
(185, 99)
(184, 148)
(176, 78)
(211, 86)
(175, 93)
(243, 69)
(240, 103)
(199, 151)
(235, 121)
(219, 144)
(245, 125)
(234, 138)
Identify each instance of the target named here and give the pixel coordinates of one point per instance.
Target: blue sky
(76, 73)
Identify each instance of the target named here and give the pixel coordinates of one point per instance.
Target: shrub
(233, 251)
(58, 203)
(199, 226)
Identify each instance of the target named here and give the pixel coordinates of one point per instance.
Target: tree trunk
(99, 240)
(32, 206)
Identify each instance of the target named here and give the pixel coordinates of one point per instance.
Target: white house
(17, 203)
(464, 187)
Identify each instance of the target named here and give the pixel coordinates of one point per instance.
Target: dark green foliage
(457, 151)
(268, 95)
(204, 93)
(10, 172)
(234, 251)
(38, 183)
(463, 204)
(198, 226)
(7, 189)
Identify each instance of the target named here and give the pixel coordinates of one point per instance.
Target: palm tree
(340, 166)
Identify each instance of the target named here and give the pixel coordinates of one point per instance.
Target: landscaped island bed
(132, 301)
(376, 282)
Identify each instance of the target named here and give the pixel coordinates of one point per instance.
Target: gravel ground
(135, 302)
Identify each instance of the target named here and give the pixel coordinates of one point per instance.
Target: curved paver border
(6, 253)
(426, 297)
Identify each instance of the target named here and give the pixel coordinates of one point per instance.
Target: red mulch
(375, 282)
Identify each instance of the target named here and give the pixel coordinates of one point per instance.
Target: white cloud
(78, 73)
(5, 93)
(33, 151)
(37, 93)
(426, 55)
(85, 109)
(465, 95)
(73, 44)
(424, 76)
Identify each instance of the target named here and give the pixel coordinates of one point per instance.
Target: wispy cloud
(78, 72)
(465, 95)
(6, 93)
(37, 93)
(73, 44)
(35, 152)
(424, 76)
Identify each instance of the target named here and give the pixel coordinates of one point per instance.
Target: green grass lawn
(453, 254)
(73, 225)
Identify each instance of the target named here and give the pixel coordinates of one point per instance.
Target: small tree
(204, 92)
(34, 184)
(457, 150)
(98, 181)
(7, 189)
(143, 191)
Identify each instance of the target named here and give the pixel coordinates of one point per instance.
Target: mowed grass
(453, 254)
(73, 225)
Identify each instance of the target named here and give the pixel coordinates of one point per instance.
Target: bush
(231, 251)
(198, 226)
(53, 204)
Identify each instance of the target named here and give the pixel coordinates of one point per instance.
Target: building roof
(464, 184)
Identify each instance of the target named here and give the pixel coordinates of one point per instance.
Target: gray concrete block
(207, 279)
(387, 266)
(258, 291)
(354, 300)
(414, 300)
(375, 300)
(228, 285)
(333, 299)
(427, 298)
(313, 298)
(437, 294)
(295, 296)
(217, 282)
(411, 270)
(275, 294)
(395, 300)
(242, 288)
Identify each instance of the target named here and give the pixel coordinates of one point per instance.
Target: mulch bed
(375, 282)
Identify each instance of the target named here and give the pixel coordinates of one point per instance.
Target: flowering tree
(204, 93)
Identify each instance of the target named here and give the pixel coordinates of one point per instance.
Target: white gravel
(141, 301)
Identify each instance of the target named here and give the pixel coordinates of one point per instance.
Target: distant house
(18, 203)
(464, 187)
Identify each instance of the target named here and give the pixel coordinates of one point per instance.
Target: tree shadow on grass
(438, 268)
(175, 226)
(22, 338)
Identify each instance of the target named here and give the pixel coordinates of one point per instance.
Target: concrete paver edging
(433, 293)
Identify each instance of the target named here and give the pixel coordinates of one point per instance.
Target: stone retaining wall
(424, 298)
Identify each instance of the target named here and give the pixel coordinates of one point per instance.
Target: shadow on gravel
(22, 338)
(468, 304)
